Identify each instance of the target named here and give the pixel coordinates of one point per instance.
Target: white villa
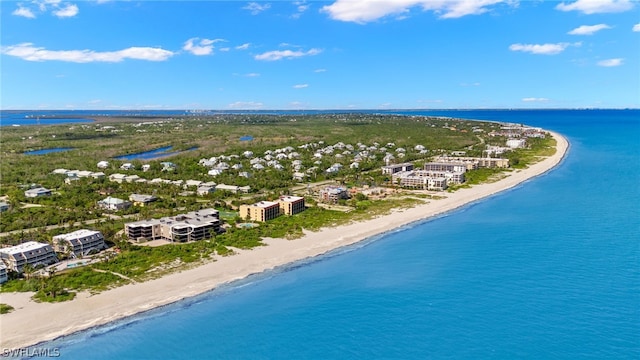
(37, 192)
(111, 203)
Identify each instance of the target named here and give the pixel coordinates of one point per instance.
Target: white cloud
(300, 86)
(252, 75)
(256, 8)
(70, 10)
(204, 47)
(27, 51)
(596, 6)
(636, 27)
(535, 99)
(285, 54)
(56, 7)
(243, 46)
(470, 84)
(611, 62)
(320, 70)
(246, 105)
(224, 49)
(588, 29)
(301, 7)
(542, 49)
(24, 12)
(362, 11)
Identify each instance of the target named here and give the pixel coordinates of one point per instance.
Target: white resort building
(31, 253)
(79, 243)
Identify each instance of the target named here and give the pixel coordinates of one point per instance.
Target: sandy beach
(31, 323)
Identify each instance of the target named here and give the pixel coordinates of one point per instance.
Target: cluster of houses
(281, 158)
(76, 244)
(166, 166)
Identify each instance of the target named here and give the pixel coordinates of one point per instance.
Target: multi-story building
(30, 252)
(192, 226)
(79, 243)
(445, 166)
(477, 162)
(333, 194)
(392, 169)
(291, 205)
(260, 211)
(428, 180)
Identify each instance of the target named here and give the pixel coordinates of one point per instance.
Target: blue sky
(341, 54)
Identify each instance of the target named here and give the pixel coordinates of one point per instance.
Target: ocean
(547, 270)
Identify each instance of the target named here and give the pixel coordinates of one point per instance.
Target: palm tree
(28, 271)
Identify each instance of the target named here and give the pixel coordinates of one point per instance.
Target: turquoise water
(547, 270)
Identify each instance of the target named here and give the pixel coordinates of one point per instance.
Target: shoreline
(23, 326)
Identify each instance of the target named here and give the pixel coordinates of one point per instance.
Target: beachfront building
(476, 162)
(260, 211)
(28, 253)
(113, 204)
(37, 192)
(445, 166)
(291, 205)
(4, 276)
(428, 180)
(332, 194)
(192, 226)
(392, 169)
(79, 243)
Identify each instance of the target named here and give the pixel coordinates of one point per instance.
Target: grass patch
(5, 309)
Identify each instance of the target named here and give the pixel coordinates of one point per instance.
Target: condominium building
(445, 166)
(260, 211)
(476, 162)
(333, 194)
(428, 180)
(291, 205)
(79, 243)
(192, 226)
(392, 169)
(31, 253)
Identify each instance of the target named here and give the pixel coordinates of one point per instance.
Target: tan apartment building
(291, 205)
(260, 211)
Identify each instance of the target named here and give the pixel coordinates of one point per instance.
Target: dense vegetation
(73, 206)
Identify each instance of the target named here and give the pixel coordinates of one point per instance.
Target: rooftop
(27, 246)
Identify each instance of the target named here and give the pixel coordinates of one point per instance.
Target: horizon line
(336, 109)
